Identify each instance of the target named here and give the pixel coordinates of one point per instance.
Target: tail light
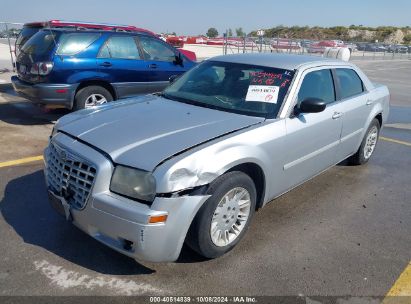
(41, 68)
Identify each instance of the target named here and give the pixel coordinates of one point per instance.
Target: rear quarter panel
(79, 67)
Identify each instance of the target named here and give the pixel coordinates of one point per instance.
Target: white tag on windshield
(261, 93)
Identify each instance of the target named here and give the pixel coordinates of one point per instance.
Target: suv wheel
(224, 218)
(91, 96)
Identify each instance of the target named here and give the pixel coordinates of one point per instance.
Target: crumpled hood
(144, 131)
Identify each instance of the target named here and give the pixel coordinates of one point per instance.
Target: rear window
(350, 83)
(74, 43)
(40, 44)
(26, 34)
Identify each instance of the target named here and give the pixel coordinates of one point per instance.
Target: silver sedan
(193, 163)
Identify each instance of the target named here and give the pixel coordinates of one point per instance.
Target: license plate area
(60, 205)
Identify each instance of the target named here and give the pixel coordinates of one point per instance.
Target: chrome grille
(69, 176)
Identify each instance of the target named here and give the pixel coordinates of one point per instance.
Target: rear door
(160, 59)
(312, 138)
(122, 64)
(356, 108)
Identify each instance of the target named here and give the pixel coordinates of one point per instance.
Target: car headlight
(133, 183)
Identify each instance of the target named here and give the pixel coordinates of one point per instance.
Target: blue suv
(77, 69)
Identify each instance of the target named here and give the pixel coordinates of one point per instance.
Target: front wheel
(224, 218)
(368, 144)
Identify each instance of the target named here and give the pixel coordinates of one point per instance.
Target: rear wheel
(224, 218)
(368, 144)
(91, 96)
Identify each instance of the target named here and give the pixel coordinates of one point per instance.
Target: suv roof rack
(88, 26)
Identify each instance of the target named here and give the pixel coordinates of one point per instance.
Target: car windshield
(233, 87)
(40, 44)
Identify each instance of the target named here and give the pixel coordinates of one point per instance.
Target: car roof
(76, 30)
(280, 61)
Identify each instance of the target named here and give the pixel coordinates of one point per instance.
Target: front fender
(202, 165)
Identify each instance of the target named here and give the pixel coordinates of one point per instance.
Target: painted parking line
(405, 143)
(402, 287)
(21, 161)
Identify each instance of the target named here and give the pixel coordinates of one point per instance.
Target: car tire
(368, 144)
(91, 96)
(220, 212)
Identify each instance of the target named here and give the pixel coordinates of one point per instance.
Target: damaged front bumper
(121, 223)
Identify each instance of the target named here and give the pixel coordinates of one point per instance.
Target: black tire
(199, 236)
(84, 93)
(359, 158)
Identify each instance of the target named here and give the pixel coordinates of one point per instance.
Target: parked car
(351, 46)
(78, 69)
(193, 164)
(31, 28)
(403, 49)
(319, 47)
(372, 47)
(361, 46)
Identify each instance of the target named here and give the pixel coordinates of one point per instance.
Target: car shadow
(25, 113)
(25, 207)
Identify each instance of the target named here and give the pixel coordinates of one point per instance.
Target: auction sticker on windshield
(262, 93)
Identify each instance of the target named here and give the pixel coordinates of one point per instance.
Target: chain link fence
(8, 35)
(359, 49)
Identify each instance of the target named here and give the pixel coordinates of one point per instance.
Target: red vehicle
(319, 47)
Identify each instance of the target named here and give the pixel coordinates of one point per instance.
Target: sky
(195, 17)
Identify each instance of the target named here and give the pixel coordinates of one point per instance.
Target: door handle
(106, 64)
(337, 115)
(153, 66)
(369, 102)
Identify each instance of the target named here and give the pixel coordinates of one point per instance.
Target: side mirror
(311, 105)
(173, 78)
(178, 60)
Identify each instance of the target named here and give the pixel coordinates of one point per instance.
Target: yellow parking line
(402, 287)
(396, 141)
(400, 292)
(20, 161)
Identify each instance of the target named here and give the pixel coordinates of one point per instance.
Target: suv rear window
(74, 43)
(26, 34)
(40, 44)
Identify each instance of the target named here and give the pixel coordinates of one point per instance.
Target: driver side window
(154, 49)
(317, 84)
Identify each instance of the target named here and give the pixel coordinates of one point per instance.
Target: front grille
(69, 176)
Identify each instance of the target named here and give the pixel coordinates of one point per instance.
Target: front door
(160, 60)
(312, 138)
